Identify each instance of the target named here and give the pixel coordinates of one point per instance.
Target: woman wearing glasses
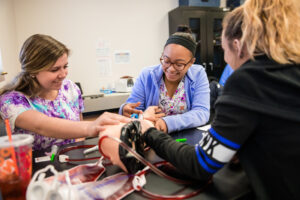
(178, 88)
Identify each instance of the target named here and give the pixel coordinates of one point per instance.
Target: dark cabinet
(206, 25)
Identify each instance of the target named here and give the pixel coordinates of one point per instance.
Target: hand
(129, 108)
(161, 125)
(153, 113)
(145, 124)
(106, 119)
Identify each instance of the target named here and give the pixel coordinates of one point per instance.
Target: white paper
(42, 159)
(104, 65)
(103, 59)
(122, 57)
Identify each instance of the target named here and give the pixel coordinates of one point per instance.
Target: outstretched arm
(62, 128)
(231, 127)
(182, 156)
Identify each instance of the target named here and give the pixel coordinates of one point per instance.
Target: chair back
(2, 128)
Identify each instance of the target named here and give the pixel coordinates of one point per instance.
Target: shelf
(105, 102)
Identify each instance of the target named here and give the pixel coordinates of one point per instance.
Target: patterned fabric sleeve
(80, 99)
(67, 105)
(12, 104)
(72, 94)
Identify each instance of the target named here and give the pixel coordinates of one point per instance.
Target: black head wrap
(183, 41)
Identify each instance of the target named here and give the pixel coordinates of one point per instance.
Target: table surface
(228, 183)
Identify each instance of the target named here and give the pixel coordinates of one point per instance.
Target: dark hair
(184, 29)
(184, 38)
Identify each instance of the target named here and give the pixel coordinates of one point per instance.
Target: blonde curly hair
(270, 27)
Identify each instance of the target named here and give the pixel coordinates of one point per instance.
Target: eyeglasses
(177, 65)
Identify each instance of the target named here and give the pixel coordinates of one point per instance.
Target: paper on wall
(103, 59)
(122, 57)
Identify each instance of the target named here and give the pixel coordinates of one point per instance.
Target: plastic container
(106, 91)
(15, 165)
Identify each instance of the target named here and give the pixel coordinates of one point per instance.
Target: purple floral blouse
(174, 105)
(67, 105)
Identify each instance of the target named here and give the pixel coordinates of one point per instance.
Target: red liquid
(81, 174)
(14, 188)
(86, 173)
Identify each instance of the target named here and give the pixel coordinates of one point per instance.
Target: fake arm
(109, 147)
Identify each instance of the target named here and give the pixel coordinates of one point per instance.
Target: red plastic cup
(15, 174)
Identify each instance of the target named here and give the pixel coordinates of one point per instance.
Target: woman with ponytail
(41, 102)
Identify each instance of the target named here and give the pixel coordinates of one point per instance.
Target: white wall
(8, 43)
(140, 26)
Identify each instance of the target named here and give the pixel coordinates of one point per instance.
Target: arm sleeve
(121, 109)
(182, 156)
(12, 104)
(200, 105)
(230, 129)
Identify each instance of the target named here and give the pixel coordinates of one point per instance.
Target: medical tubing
(158, 196)
(141, 159)
(78, 147)
(180, 196)
(148, 167)
(105, 163)
(155, 170)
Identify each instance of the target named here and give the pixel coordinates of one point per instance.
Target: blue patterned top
(67, 105)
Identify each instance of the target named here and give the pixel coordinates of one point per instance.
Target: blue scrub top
(226, 73)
